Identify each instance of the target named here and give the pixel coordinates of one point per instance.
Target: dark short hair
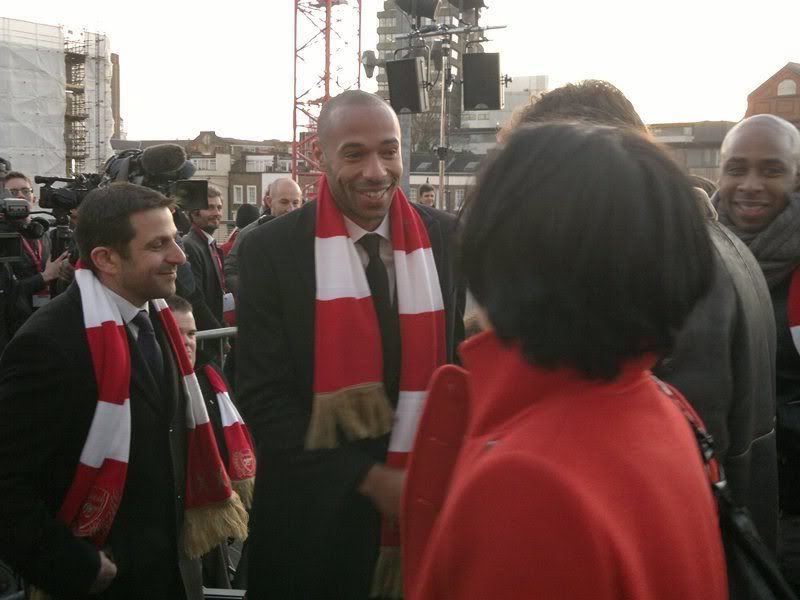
(592, 101)
(179, 304)
(246, 214)
(104, 217)
(586, 246)
(425, 188)
(214, 191)
(16, 175)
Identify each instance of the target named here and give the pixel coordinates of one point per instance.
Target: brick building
(779, 95)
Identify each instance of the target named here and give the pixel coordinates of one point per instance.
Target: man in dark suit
(206, 257)
(316, 517)
(49, 398)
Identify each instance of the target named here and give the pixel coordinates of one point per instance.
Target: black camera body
(13, 213)
(69, 196)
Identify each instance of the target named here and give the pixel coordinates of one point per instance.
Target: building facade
(695, 146)
(779, 95)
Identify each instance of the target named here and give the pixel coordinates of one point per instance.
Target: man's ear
(268, 201)
(106, 260)
(319, 154)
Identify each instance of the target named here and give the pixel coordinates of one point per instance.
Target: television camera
(163, 167)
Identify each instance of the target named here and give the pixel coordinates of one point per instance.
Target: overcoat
(312, 534)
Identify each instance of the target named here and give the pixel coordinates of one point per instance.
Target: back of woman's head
(585, 244)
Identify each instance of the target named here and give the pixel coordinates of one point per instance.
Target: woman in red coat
(555, 465)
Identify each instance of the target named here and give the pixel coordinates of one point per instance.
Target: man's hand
(52, 268)
(384, 486)
(67, 272)
(106, 574)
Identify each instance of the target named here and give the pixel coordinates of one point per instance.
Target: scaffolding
(88, 118)
(76, 114)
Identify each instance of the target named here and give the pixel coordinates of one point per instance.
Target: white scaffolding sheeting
(32, 97)
(100, 124)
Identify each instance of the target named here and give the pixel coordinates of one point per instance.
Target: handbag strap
(705, 441)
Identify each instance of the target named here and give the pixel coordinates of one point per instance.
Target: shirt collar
(209, 238)
(127, 310)
(356, 232)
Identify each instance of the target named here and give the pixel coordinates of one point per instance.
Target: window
(470, 166)
(237, 194)
(459, 198)
(787, 87)
(412, 194)
(257, 165)
(252, 194)
(424, 166)
(205, 164)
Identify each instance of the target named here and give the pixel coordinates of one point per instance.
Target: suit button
(179, 497)
(172, 430)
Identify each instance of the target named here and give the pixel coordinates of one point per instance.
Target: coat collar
(502, 384)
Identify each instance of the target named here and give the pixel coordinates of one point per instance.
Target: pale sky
(227, 66)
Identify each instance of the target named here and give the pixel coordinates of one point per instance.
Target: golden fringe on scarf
(245, 489)
(205, 527)
(387, 581)
(359, 412)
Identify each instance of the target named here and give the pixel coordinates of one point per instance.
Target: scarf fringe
(35, 593)
(358, 412)
(205, 527)
(387, 581)
(245, 489)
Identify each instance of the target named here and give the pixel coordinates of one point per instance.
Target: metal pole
(358, 58)
(294, 107)
(443, 76)
(327, 51)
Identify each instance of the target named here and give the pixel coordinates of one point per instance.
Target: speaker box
(407, 91)
(483, 89)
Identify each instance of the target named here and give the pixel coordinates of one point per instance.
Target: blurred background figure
(246, 214)
(586, 250)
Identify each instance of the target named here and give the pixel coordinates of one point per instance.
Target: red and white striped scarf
(349, 395)
(213, 511)
(793, 308)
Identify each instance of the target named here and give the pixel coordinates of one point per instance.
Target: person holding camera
(37, 268)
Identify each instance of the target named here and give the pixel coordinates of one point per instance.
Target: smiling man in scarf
(758, 200)
(346, 306)
(111, 481)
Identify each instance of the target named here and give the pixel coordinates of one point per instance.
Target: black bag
(753, 573)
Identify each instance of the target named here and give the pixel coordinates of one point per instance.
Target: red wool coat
(528, 483)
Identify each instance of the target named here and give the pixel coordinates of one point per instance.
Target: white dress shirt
(128, 311)
(387, 254)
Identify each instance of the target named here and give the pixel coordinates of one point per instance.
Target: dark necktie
(378, 280)
(149, 345)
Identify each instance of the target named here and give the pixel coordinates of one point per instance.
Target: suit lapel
(141, 378)
(172, 377)
(303, 237)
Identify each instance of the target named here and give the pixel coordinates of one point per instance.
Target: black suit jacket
(48, 397)
(301, 496)
(207, 276)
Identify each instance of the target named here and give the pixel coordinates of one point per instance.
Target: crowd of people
(354, 440)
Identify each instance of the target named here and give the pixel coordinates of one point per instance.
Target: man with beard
(346, 306)
(758, 200)
(206, 257)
